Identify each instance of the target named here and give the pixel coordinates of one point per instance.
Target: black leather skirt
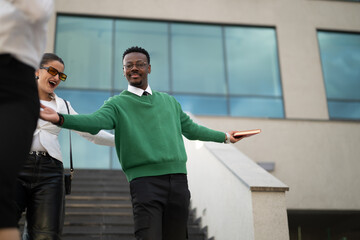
(40, 192)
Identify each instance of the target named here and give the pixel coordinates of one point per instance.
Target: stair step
(100, 184)
(90, 193)
(99, 229)
(71, 197)
(99, 237)
(121, 236)
(100, 208)
(97, 205)
(98, 219)
(70, 213)
(105, 188)
(97, 200)
(104, 174)
(96, 228)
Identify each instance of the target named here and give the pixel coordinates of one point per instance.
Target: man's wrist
(227, 140)
(61, 120)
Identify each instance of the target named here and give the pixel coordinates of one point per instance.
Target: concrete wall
(221, 200)
(318, 160)
(269, 214)
(235, 198)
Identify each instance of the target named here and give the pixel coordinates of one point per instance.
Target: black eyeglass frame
(139, 65)
(62, 76)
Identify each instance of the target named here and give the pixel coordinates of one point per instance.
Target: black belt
(39, 153)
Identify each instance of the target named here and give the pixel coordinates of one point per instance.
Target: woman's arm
(102, 138)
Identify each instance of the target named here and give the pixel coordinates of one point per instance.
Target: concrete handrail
(235, 198)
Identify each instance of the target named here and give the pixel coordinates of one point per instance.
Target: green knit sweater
(148, 132)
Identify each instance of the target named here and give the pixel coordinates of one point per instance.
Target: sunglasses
(54, 72)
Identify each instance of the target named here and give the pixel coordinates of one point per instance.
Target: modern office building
(288, 67)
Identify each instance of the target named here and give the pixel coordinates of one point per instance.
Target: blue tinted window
(84, 102)
(253, 71)
(114, 161)
(344, 110)
(153, 36)
(210, 69)
(85, 154)
(256, 107)
(187, 59)
(203, 105)
(340, 58)
(197, 62)
(252, 61)
(85, 45)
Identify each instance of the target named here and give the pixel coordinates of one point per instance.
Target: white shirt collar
(139, 91)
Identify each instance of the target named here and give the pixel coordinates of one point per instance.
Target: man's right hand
(49, 114)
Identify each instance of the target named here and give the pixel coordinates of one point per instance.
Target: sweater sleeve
(194, 131)
(104, 118)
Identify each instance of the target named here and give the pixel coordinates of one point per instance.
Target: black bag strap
(71, 162)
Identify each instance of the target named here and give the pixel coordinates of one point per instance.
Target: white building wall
(318, 160)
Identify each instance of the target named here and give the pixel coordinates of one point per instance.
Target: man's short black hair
(139, 50)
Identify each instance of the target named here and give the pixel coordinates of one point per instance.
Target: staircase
(99, 207)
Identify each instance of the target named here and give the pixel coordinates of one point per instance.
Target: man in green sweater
(148, 136)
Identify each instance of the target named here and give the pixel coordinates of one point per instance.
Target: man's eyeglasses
(140, 65)
(54, 72)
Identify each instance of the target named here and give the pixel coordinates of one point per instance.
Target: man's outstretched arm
(104, 118)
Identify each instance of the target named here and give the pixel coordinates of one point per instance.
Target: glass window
(153, 36)
(344, 110)
(340, 58)
(197, 59)
(115, 164)
(253, 72)
(85, 45)
(85, 154)
(256, 107)
(210, 69)
(203, 105)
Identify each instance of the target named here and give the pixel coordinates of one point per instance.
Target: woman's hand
(49, 114)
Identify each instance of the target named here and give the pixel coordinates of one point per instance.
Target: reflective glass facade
(210, 69)
(340, 58)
